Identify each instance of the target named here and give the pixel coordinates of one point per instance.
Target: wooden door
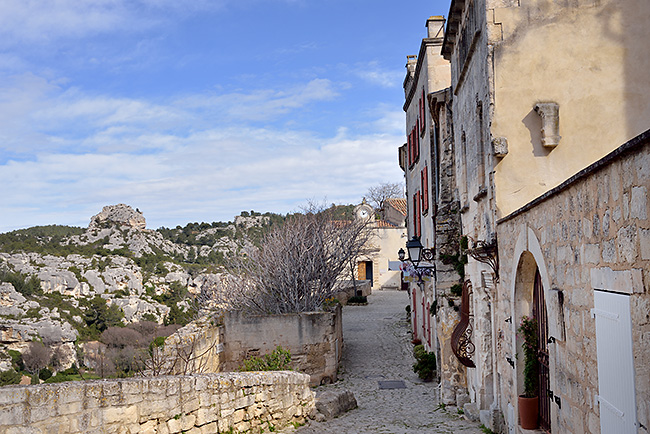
(361, 274)
(539, 313)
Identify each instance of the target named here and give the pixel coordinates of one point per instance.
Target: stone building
(428, 163)
(549, 106)
(387, 236)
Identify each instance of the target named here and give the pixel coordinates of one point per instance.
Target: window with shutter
(424, 181)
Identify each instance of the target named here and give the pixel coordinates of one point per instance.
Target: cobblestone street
(378, 348)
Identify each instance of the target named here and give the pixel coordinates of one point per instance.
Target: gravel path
(377, 348)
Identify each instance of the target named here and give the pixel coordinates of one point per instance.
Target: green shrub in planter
(358, 299)
(425, 363)
(278, 360)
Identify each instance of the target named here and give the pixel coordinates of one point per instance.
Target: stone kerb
(206, 403)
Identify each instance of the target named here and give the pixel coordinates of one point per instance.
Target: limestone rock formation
(136, 309)
(119, 215)
(116, 258)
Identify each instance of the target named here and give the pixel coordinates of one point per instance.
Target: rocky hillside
(62, 285)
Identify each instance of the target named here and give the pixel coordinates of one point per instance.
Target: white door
(615, 363)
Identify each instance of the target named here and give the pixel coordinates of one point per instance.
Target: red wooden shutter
(417, 145)
(409, 149)
(418, 215)
(423, 112)
(424, 180)
(415, 214)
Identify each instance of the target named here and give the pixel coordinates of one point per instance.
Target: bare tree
(377, 194)
(178, 355)
(297, 266)
(36, 357)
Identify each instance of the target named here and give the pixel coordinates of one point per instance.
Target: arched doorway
(539, 313)
(530, 301)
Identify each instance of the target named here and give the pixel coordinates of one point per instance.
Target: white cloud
(211, 175)
(376, 75)
(184, 159)
(37, 21)
(262, 104)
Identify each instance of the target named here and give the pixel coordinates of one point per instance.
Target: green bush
(9, 377)
(44, 374)
(58, 378)
(278, 360)
(26, 285)
(72, 370)
(456, 289)
(425, 363)
(16, 360)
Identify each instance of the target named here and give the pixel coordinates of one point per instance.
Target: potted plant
(529, 401)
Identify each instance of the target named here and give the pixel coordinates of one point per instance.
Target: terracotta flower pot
(528, 412)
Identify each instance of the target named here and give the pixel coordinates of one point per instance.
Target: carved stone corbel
(550, 114)
(500, 147)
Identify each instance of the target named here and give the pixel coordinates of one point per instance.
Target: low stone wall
(347, 289)
(315, 340)
(197, 404)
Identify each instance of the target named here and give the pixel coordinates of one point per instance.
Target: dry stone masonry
(197, 404)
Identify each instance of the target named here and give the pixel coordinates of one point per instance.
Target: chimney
(411, 61)
(436, 27)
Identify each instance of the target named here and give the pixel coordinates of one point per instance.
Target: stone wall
(190, 404)
(347, 289)
(315, 340)
(592, 232)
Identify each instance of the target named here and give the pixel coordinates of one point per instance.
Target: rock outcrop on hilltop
(145, 273)
(118, 215)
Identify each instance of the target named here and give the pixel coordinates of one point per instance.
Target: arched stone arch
(527, 242)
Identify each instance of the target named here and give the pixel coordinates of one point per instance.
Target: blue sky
(197, 110)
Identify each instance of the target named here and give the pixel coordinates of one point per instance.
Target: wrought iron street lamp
(417, 253)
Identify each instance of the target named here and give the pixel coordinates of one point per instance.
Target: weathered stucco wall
(193, 404)
(599, 225)
(315, 340)
(389, 241)
(591, 57)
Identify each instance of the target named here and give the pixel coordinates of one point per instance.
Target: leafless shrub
(297, 266)
(181, 355)
(126, 360)
(145, 328)
(58, 359)
(121, 337)
(36, 357)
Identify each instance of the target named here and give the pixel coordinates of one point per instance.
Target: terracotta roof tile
(398, 203)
